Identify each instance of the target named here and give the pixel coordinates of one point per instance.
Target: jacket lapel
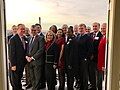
(49, 46)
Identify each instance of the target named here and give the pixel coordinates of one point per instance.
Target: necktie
(31, 42)
(23, 42)
(94, 34)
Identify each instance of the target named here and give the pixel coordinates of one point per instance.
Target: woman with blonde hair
(51, 52)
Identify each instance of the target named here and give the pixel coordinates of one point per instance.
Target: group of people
(75, 51)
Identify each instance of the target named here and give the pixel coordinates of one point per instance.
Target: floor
(23, 82)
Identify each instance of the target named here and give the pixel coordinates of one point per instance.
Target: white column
(3, 76)
(113, 75)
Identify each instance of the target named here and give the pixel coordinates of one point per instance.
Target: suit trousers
(92, 69)
(15, 78)
(27, 73)
(83, 74)
(70, 78)
(36, 75)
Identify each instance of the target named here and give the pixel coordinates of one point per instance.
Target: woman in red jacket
(101, 56)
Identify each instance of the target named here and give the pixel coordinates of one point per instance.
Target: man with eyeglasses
(35, 58)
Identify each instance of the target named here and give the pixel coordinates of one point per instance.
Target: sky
(56, 12)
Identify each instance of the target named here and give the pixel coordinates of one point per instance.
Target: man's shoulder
(41, 34)
(99, 34)
(9, 36)
(40, 37)
(91, 34)
(14, 37)
(88, 36)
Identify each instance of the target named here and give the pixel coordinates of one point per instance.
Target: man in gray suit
(36, 58)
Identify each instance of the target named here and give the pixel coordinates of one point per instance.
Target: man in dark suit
(28, 83)
(18, 48)
(75, 29)
(83, 50)
(38, 28)
(68, 58)
(96, 35)
(36, 58)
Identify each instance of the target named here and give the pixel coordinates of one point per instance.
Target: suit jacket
(8, 42)
(41, 34)
(84, 47)
(52, 53)
(68, 53)
(101, 53)
(96, 41)
(17, 51)
(36, 50)
(8, 38)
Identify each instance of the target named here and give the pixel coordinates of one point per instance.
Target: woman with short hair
(51, 52)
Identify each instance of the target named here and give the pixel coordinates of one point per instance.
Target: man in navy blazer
(18, 48)
(84, 50)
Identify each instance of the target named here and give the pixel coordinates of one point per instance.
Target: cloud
(56, 11)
